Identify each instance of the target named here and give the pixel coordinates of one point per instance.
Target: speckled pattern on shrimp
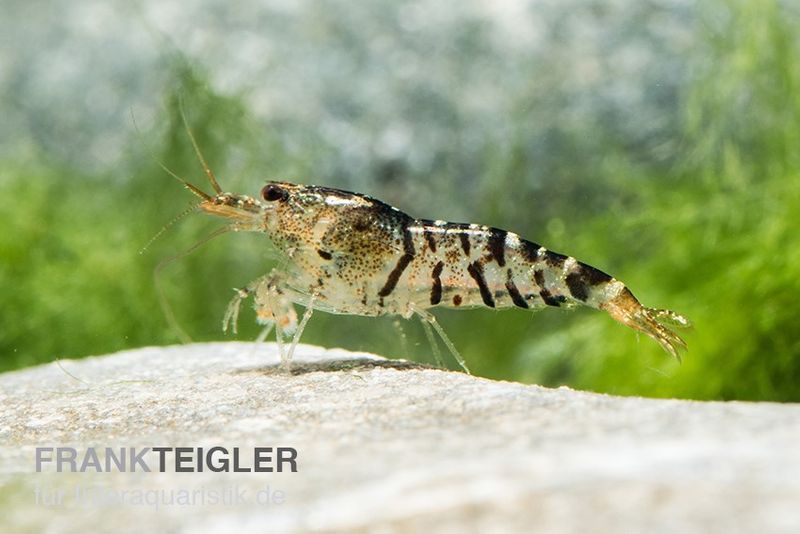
(348, 253)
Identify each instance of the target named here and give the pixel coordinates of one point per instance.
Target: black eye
(272, 192)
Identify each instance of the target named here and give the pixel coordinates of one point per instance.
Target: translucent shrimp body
(348, 253)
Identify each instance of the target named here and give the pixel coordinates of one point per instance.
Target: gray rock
(387, 445)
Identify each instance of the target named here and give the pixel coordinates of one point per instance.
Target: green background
(670, 159)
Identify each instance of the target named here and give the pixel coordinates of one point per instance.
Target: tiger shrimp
(348, 253)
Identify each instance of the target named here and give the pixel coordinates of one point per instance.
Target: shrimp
(348, 253)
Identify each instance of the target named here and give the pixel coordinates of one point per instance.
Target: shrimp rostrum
(347, 253)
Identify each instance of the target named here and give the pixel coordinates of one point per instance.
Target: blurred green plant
(711, 233)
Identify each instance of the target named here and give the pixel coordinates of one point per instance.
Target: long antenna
(162, 299)
(193, 188)
(169, 225)
(206, 168)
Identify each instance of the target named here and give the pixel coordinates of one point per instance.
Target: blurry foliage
(693, 204)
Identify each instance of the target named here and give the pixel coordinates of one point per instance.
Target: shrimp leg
(274, 308)
(430, 320)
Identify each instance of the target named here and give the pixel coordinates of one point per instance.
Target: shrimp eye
(272, 192)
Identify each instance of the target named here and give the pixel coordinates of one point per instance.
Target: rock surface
(387, 444)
